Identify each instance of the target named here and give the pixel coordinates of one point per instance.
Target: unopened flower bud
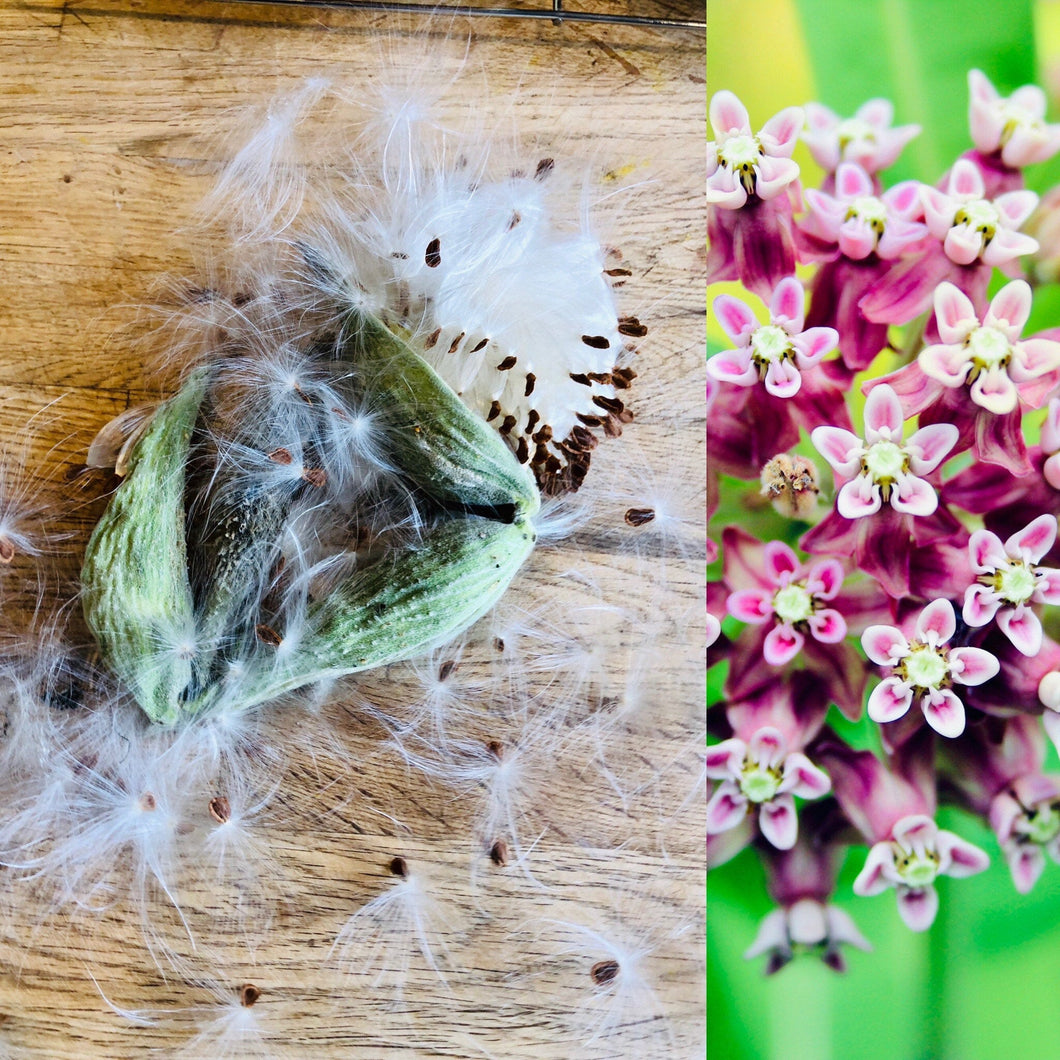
(790, 483)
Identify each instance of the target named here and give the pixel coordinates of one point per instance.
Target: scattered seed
(7, 549)
(639, 516)
(446, 669)
(399, 867)
(249, 995)
(632, 327)
(147, 802)
(597, 342)
(267, 635)
(531, 379)
(481, 346)
(456, 342)
(544, 167)
(220, 809)
(433, 257)
(282, 457)
(432, 338)
(604, 971)
(499, 853)
(508, 362)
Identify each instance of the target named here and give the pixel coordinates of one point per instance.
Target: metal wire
(556, 14)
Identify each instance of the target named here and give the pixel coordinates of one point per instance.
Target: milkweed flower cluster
(919, 601)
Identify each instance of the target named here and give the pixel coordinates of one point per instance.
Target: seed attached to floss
(604, 972)
(220, 809)
(499, 853)
(399, 867)
(249, 995)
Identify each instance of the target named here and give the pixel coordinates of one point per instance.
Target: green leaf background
(984, 983)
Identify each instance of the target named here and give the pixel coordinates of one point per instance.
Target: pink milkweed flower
(740, 164)
(751, 181)
(858, 222)
(1050, 437)
(867, 139)
(809, 925)
(924, 669)
(792, 603)
(881, 468)
(775, 354)
(915, 854)
(1013, 127)
(1009, 581)
(761, 773)
(999, 370)
(973, 228)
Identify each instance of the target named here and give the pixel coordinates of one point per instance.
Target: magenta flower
(792, 603)
(775, 354)
(1026, 820)
(867, 139)
(882, 469)
(761, 773)
(858, 222)
(1009, 581)
(740, 164)
(750, 181)
(1050, 437)
(924, 669)
(1013, 127)
(999, 370)
(910, 860)
(973, 228)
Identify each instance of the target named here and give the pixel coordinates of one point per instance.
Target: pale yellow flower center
(979, 215)
(852, 130)
(759, 784)
(884, 461)
(989, 348)
(740, 151)
(926, 668)
(1041, 825)
(1016, 583)
(916, 870)
(770, 343)
(871, 210)
(793, 604)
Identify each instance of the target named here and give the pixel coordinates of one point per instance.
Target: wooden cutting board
(590, 945)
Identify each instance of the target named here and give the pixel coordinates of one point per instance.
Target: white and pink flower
(999, 370)
(741, 164)
(793, 603)
(761, 773)
(1026, 819)
(808, 925)
(1014, 125)
(776, 353)
(1009, 581)
(882, 469)
(924, 669)
(974, 228)
(868, 138)
(914, 856)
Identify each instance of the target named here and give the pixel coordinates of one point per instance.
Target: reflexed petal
(939, 209)
(938, 619)
(883, 413)
(1026, 862)
(966, 181)
(1034, 540)
(878, 872)
(980, 605)
(825, 579)
(890, 700)
(1010, 307)
(972, 666)
(1047, 590)
(725, 191)
(842, 929)
(772, 935)
(955, 313)
(767, 747)
(986, 552)
(750, 605)
(1022, 627)
(914, 496)
(1006, 246)
(1033, 358)
(860, 496)
(959, 858)
(726, 808)
(1051, 428)
(929, 446)
(781, 645)
(857, 239)
(803, 778)
(778, 822)
(735, 317)
(814, 343)
(963, 244)
(948, 365)
(774, 175)
(918, 907)
(828, 626)
(787, 307)
(783, 379)
(917, 831)
(944, 713)
(839, 447)
(1016, 206)
(885, 645)
(780, 134)
(994, 391)
(852, 182)
(733, 366)
(781, 563)
(728, 115)
(725, 759)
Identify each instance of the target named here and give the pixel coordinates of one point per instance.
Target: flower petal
(750, 605)
(1033, 542)
(890, 700)
(980, 605)
(918, 907)
(814, 343)
(827, 626)
(726, 809)
(733, 366)
(914, 496)
(994, 391)
(787, 307)
(959, 858)
(966, 181)
(883, 413)
(736, 318)
(783, 379)
(781, 645)
(725, 759)
(803, 778)
(728, 116)
(767, 747)
(780, 134)
(859, 497)
(878, 872)
(986, 552)
(929, 446)
(839, 447)
(954, 313)
(1010, 308)
(1022, 626)
(781, 563)
(825, 579)
(1026, 862)
(937, 619)
(972, 666)
(944, 712)
(778, 822)
(885, 645)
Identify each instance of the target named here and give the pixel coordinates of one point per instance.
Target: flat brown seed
(639, 516)
(433, 256)
(220, 809)
(508, 362)
(446, 669)
(249, 995)
(597, 342)
(499, 853)
(315, 476)
(398, 867)
(7, 549)
(282, 457)
(267, 635)
(147, 802)
(544, 167)
(604, 971)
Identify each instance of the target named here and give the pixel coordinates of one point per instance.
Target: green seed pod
(400, 607)
(447, 450)
(137, 598)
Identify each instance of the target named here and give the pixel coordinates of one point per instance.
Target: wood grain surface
(110, 112)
